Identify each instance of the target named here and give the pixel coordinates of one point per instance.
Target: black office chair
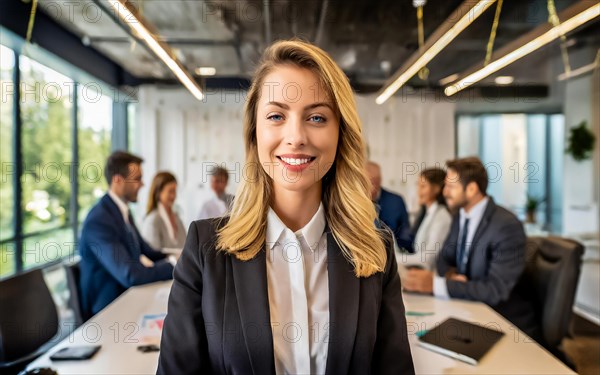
(28, 319)
(552, 273)
(72, 271)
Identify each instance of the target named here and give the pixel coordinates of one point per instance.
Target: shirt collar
(311, 232)
(120, 204)
(477, 211)
(432, 207)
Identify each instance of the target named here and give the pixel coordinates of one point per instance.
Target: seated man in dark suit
(111, 245)
(391, 208)
(484, 255)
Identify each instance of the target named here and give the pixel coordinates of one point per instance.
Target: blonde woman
(162, 228)
(298, 279)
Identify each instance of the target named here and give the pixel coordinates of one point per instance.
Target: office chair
(552, 273)
(28, 319)
(72, 271)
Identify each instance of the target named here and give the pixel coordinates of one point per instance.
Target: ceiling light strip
(515, 54)
(434, 45)
(160, 49)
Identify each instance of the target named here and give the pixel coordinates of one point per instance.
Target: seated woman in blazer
(433, 224)
(162, 227)
(298, 279)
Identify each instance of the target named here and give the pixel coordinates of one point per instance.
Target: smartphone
(75, 353)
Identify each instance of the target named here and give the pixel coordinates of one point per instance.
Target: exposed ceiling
(368, 39)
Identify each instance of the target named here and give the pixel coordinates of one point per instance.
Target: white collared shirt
(122, 205)
(298, 291)
(164, 216)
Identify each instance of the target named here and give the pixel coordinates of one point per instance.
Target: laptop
(464, 341)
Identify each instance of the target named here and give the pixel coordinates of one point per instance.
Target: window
(7, 249)
(94, 137)
(7, 67)
(521, 153)
(63, 138)
(46, 110)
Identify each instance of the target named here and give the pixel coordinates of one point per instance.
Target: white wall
(185, 136)
(406, 135)
(580, 196)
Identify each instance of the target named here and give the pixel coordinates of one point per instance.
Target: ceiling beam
(528, 43)
(55, 38)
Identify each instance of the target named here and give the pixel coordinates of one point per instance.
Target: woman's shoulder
(152, 217)
(206, 229)
(442, 214)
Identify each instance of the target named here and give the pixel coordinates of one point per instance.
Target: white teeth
(295, 161)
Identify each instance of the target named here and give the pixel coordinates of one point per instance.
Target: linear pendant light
(450, 29)
(574, 16)
(161, 49)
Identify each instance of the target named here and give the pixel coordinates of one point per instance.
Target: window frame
(120, 126)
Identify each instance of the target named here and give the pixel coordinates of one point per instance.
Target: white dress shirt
(429, 238)
(298, 291)
(122, 206)
(475, 215)
(215, 206)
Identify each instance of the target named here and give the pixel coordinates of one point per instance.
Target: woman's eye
(275, 117)
(317, 118)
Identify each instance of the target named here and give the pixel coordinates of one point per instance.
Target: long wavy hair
(349, 212)
(159, 182)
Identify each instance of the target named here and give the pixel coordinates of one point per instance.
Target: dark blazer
(496, 262)
(110, 260)
(218, 318)
(392, 211)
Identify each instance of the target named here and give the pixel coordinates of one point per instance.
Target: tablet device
(75, 353)
(460, 340)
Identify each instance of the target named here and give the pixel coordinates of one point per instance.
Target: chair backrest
(28, 316)
(551, 275)
(72, 271)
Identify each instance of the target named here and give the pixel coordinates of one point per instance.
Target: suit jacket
(156, 233)
(496, 262)
(392, 211)
(219, 319)
(110, 258)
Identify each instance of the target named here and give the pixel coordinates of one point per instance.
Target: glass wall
(7, 67)
(94, 135)
(522, 154)
(59, 149)
(46, 106)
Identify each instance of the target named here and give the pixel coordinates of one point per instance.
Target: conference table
(117, 329)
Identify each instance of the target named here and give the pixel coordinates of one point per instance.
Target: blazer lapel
(250, 280)
(344, 291)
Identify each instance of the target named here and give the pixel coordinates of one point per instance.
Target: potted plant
(531, 206)
(581, 142)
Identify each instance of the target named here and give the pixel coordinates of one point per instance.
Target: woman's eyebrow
(278, 104)
(319, 104)
(310, 106)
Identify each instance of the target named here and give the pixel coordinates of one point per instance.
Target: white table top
(115, 329)
(515, 353)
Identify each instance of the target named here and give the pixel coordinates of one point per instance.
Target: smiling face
(297, 129)
(168, 194)
(426, 191)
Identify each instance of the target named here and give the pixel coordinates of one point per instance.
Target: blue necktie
(461, 260)
(134, 235)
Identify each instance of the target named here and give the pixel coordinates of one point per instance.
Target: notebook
(460, 340)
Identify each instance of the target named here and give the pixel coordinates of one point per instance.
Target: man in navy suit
(111, 246)
(483, 256)
(391, 208)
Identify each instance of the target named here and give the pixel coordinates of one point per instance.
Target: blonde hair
(159, 182)
(349, 211)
